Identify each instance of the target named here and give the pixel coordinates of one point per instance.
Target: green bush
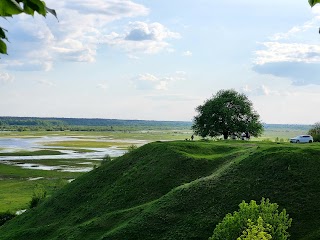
(132, 148)
(6, 216)
(106, 159)
(253, 220)
(39, 194)
(315, 132)
(316, 138)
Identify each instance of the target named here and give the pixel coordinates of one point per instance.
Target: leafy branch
(313, 2)
(8, 8)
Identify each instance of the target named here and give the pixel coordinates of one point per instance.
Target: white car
(302, 139)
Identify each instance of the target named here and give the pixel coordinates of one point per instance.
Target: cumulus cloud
(6, 78)
(300, 73)
(46, 82)
(103, 86)
(264, 90)
(142, 37)
(148, 81)
(35, 43)
(173, 97)
(294, 54)
(187, 54)
(287, 52)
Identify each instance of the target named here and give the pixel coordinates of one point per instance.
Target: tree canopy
(9, 8)
(254, 221)
(227, 113)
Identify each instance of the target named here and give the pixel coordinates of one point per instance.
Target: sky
(159, 60)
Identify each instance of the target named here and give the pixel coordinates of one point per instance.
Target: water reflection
(8, 145)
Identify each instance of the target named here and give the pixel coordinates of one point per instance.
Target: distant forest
(85, 124)
(97, 124)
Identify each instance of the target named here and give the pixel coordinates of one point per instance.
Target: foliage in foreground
(8, 8)
(313, 2)
(254, 221)
(227, 113)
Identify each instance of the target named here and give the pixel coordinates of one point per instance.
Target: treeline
(281, 127)
(85, 124)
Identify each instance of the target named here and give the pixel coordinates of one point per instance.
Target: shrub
(132, 148)
(6, 216)
(39, 194)
(316, 138)
(253, 219)
(315, 132)
(106, 159)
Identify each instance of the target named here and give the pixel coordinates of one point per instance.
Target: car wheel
(310, 141)
(297, 141)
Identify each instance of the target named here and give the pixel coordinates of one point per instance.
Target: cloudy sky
(159, 60)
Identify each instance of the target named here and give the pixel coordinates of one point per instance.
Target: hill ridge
(179, 190)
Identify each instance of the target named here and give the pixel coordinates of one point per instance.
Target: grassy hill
(179, 190)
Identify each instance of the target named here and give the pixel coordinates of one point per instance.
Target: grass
(179, 190)
(15, 194)
(16, 190)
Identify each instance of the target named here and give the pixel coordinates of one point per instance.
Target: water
(33, 144)
(37, 143)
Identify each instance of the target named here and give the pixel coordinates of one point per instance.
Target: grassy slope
(179, 190)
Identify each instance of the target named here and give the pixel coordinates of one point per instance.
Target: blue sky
(159, 60)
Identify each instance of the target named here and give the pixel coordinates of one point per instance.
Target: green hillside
(179, 190)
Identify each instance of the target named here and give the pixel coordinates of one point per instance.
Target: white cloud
(6, 78)
(103, 86)
(142, 37)
(294, 54)
(141, 31)
(187, 54)
(288, 52)
(173, 97)
(148, 81)
(264, 90)
(35, 43)
(46, 82)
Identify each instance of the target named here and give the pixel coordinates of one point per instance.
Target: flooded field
(22, 152)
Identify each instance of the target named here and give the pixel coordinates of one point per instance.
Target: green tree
(226, 113)
(254, 221)
(315, 132)
(8, 8)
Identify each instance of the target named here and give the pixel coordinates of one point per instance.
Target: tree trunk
(225, 135)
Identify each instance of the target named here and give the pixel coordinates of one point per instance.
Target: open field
(17, 185)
